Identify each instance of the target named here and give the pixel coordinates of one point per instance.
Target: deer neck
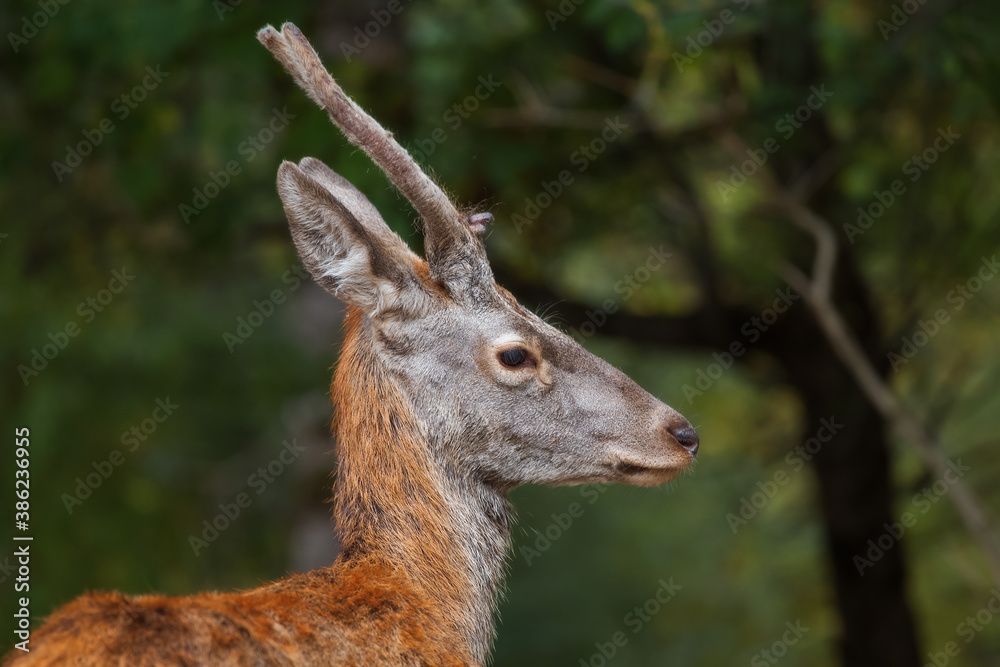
(396, 502)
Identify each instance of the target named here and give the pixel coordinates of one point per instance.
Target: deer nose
(686, 436)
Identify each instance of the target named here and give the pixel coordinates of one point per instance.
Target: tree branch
(699, 329)
(816, 290)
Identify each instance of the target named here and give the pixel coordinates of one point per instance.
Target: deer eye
(514, 357)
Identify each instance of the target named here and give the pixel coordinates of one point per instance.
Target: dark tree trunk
(855, 501)
(855, 497)
(853, 470)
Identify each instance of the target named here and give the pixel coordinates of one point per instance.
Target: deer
(447, 395)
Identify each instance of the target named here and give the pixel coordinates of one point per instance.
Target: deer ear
(344, 243)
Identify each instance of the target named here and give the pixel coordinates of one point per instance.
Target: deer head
(501, 396)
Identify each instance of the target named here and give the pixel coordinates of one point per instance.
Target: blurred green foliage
(64, 233)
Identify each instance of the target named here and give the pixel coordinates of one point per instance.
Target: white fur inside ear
(337, 232)
(350, 272)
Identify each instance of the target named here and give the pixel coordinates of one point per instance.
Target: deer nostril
(687, 437)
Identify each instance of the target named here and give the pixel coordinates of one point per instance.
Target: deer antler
(443, 226)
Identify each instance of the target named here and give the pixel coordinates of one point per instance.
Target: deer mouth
(643, 475)
(626, 468)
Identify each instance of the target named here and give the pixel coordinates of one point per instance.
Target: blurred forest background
(143, 138)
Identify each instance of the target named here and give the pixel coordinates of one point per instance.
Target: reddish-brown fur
(386, 600)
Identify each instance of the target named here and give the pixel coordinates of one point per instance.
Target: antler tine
(293, 50)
